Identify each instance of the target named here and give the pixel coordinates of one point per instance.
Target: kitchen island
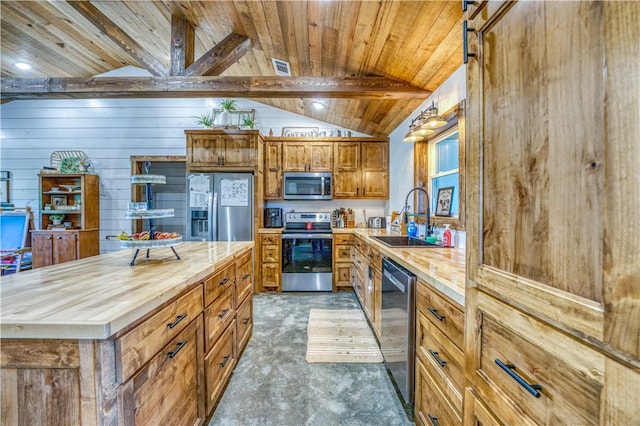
(95, 341)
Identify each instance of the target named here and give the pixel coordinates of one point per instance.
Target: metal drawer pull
(508, 368)
(245, 276)
(224, 360)
(435, 313)
(223, 313)
(178, 319)
(223, 282)
(176, 350)
(466, 3)
(437, 358)
(246, 321)
(434, 419)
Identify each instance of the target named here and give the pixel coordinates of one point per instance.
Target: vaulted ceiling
(338, 50)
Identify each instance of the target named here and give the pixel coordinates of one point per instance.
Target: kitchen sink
(404, 241)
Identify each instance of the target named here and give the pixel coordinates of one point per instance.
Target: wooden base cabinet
(165, 390)
(270, 252)
(218, 365)
(341, 249)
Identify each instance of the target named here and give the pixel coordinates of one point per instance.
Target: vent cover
(281, 67)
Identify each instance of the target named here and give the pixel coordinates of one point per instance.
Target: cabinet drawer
(342, 238)
(431, 407)
(271, 239)
(165, 391)
(342, 253)
(442, 359)
(445, 315)
(360, 262)
(270, 253)
(519, 357)
(244, 278)
(244, 324)
(374, 257)
(217, 317)
(218, 365)
(139, 345)
(219, 283)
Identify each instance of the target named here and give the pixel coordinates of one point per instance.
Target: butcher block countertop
(96, 297)
(442, 268)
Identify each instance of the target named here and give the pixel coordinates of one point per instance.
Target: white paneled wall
(109, 131)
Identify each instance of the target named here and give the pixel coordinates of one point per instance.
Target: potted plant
(205, 120)
(56, 218)
(247, 122)
(227, 105)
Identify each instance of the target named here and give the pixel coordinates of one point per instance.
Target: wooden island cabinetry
(166, 366)
(552, 334)
(76, 196)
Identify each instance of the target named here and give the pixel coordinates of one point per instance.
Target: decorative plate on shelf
(69, 165)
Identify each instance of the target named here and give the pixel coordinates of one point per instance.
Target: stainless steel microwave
(307, 186)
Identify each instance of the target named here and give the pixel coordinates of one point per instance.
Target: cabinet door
(272, 170)
(431, 407)
(375, 169)
(41, 249)
(218, 366)
(165, 391)
(549, 206)
(65, 247)
(271, 276)
(204, 150)
(294, 158)
(238, 150)
(346, 170)
(320, 156)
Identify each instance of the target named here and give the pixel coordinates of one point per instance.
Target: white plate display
(142, 244)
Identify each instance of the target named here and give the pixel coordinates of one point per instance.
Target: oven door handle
(307, 236)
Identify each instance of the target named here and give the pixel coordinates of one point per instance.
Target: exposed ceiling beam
(198, 87)
(221, 56)
(182, 44)
(115, 33)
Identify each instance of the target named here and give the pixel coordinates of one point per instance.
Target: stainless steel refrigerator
(219, 207)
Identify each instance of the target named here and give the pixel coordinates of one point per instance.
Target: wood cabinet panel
(218, 365)
(570, 376)
(136, 347)
(219, 282)
(54, 247)
(271, 277)
(244, 278)
(244, 324)
(84, 197)
(273, 170)
(442, 359)
(443, 314)
(270, 252)
(431, 407)
(218, 316)
(219, 150)
(165, 391)
(307, 156)
(375, 170)
(361, 170)
(475, 412)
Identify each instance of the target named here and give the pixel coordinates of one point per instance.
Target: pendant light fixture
(433, 120)
(412, 136)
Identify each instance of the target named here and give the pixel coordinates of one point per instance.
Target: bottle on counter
(446, 236)
(412, 229)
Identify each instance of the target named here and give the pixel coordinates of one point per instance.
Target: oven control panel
(293, 217)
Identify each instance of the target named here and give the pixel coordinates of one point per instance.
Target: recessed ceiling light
(317, 105)
(22, 65)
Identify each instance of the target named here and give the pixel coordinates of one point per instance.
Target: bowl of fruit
(144, 239)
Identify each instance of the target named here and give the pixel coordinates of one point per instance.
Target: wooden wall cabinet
(55, 244)
(273, 171)
(307, 156)
(217, 150)
(549, 287)
(361, 170)
(270, 255)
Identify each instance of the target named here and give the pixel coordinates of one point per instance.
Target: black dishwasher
(397, 337)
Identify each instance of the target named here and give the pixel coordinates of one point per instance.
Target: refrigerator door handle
(213, 216)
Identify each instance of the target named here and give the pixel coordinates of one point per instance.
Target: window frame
(424, 163)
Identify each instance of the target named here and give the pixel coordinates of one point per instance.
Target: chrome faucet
(406, 208)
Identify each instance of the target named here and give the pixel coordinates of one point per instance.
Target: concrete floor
(273, 384)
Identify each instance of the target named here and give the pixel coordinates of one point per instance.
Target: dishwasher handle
(396, 282)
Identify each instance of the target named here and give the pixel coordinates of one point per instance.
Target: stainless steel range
(306, 252)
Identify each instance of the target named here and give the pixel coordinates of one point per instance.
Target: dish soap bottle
(412, 229)
(446, 236)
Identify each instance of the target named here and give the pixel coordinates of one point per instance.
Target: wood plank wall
(109, 132)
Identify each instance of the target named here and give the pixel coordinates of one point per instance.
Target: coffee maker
(272, 218)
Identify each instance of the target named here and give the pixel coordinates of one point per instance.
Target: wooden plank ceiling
(413, 44)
